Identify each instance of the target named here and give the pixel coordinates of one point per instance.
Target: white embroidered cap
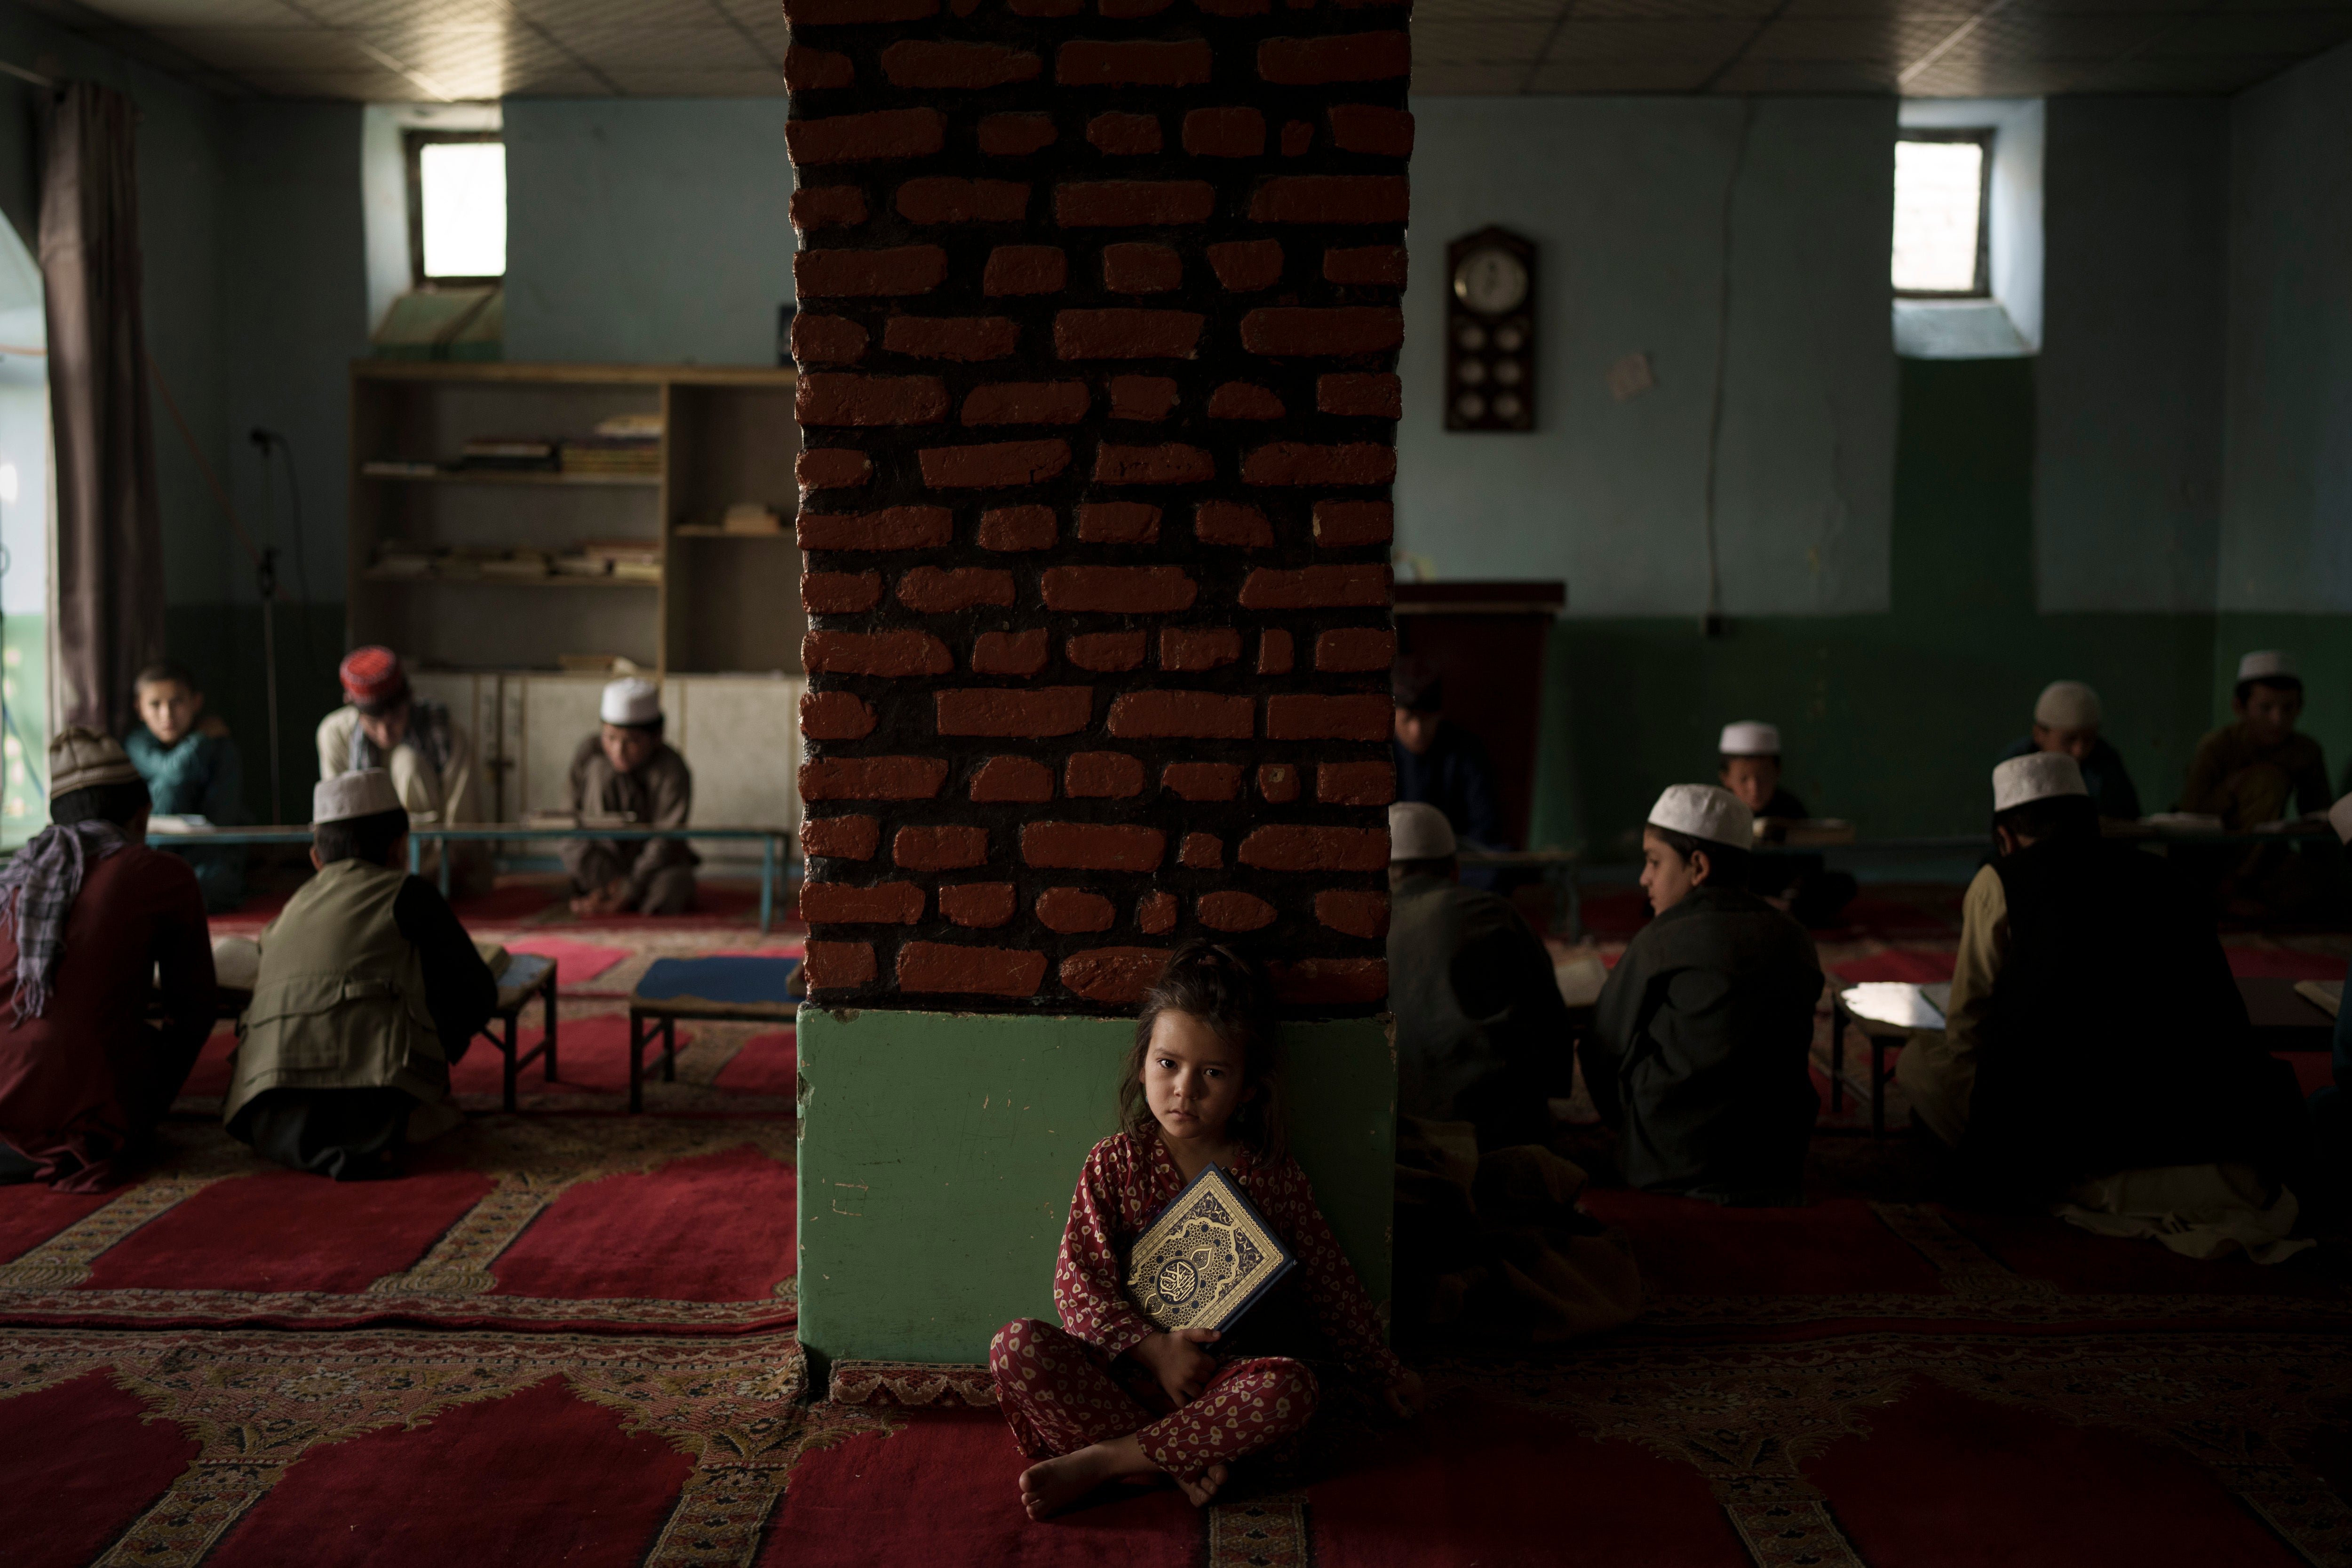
(2339, 817)
(631, 701)
(2264, 663)
(2036, 777)
(84, 759)
(1419, 831)
(2066, 705)
(346, 795)
(1749, 738)
(1703, 811)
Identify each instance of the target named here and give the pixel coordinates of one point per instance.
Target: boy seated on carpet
(626, 770)
(1699, 1049)
(369, 991)
(2066, 718)
(191, 769)
(87, 915)
(2096, 1050)
(1481, 1032)
(2259, 769)
(1748, 764)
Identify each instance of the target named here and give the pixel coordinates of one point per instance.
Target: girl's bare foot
(1055, 1485)
(1202, 1488)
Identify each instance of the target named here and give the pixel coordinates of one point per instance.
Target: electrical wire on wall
(1712, 624)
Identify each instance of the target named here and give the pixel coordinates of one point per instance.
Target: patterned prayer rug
(567, 1337)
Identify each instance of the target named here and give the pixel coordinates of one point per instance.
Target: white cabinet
(740, 733)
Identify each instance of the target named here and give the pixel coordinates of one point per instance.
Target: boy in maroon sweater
(87, 915)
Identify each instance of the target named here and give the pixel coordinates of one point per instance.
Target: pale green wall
(938, 1152)
(2286, 521)
(647, 229)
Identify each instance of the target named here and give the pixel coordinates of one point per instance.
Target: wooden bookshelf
(728, 438)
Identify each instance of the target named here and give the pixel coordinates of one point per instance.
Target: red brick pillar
(1098, 319)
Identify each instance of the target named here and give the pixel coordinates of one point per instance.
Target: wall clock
(1490, 331)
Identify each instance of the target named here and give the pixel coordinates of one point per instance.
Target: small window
(1940, 179)
(457, 206)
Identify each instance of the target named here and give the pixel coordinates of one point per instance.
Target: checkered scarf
(37, 887)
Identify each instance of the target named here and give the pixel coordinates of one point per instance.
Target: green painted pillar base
(938, 1152)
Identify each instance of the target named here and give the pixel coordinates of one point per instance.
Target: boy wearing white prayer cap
(2066, 718)
(368, 991)
(1698, 1052)
(627, 770)
(1748, 764)
(2096, 1046)
(1481, 1032)
(2259, 769)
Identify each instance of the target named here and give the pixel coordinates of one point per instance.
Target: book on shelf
(632, 426)
(573, 563)
(399, 468)
(619, 550)
(637, 571)
(522, 454)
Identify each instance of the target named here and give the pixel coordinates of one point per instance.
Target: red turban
(372, 675)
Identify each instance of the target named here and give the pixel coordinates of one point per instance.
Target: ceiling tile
(1477, 43)
(1679, 38)
(367, 86)
(2041, 35)
(1752, 74)
(1655, 75)
(1440, 81)
(762, 83)
(200, 15)
(662, 48)
(1428, 11)
(2232, 73)
(1851, 38)
(1606, 10)
(2291, 33)
(270, 48)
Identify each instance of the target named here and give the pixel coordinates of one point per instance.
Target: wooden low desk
(527, 974)
(2281, 1020)
(1880, 1035)
(740, 989)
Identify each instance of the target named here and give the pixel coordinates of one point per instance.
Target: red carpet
(566, 1338)
(577, 962)
(2282, 963)
(1894, 964)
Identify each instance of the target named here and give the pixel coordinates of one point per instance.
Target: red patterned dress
(1063, 1389)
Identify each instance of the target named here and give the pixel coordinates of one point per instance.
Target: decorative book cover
(1206, 1259)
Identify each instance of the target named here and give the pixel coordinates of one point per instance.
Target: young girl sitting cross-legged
(1105, 1394)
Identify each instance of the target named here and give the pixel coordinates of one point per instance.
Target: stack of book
(521, 454)
(630, 559)
(626, 444)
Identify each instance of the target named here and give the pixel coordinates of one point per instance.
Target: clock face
(1491, 281)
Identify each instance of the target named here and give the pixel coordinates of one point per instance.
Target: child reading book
(1106, 1395)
